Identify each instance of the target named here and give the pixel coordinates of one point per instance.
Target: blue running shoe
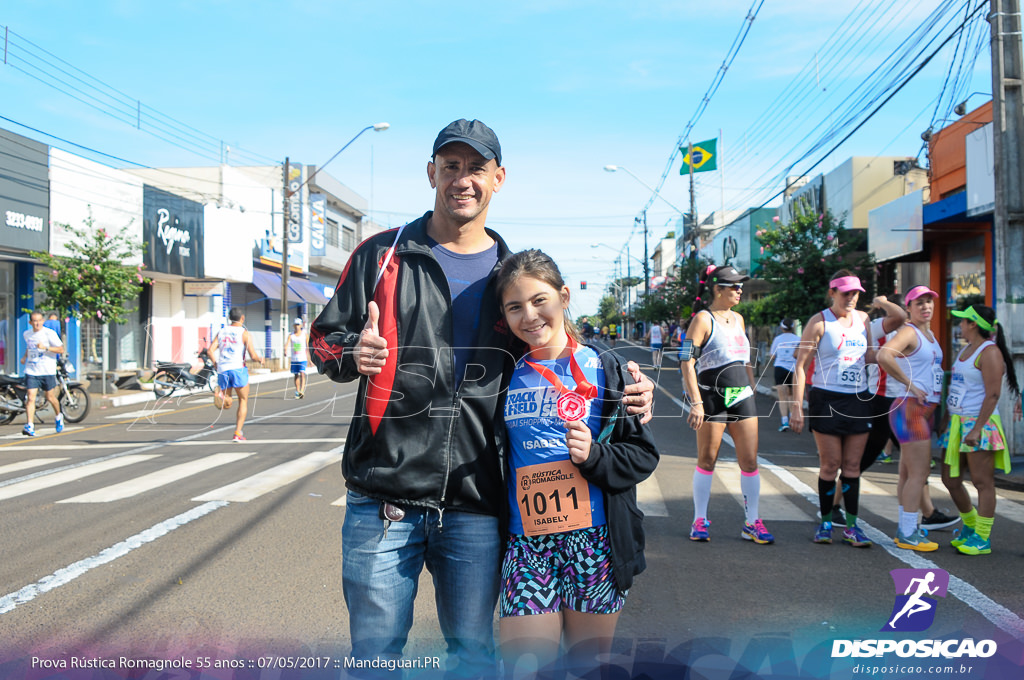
(962, 536)
(855, 537)
(975, 545)
(29, 431)
(699, 530)
(59, 422)
(757, 533)
(824, 534)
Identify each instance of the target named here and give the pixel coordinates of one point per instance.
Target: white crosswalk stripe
(773, 504)
(72, 475)
(28, 464)
(157, 479)
(650, 499)
(264, 482)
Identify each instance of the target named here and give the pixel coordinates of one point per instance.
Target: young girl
(575, 534)
(975, 433)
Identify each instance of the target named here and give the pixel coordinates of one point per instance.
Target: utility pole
(286, 224)
(1008, 222)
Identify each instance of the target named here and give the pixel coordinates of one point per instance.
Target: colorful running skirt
(911, 421)
(992, 439)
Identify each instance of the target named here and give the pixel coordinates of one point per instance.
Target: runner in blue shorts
(297, 347)
(230, 347)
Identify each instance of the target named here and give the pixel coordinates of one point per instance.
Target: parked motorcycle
(72, 397)
(170, 377)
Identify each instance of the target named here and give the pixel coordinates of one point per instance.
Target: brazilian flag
(705, 157)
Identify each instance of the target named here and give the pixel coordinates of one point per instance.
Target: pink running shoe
(757, 533)
(699, 530)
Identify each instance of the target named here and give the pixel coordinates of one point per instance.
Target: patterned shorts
(910, 421)
(571, 570)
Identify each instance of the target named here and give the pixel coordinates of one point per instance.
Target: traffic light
(583, 285)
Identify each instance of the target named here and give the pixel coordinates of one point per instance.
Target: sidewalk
(129, 397)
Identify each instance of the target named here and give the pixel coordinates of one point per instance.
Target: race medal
(571, 406)
(552, 498)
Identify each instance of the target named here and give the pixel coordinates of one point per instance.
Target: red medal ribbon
(569, 407)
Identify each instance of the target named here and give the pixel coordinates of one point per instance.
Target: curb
(145, 396)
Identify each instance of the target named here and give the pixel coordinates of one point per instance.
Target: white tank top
(839, 364)
(879, 381)
(923, 366)
(966, 386)
(230, 348)
(656, 334)
(727, 344)
(297, 346)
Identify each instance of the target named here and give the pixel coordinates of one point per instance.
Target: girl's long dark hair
(989, 314)
(703, 291)
(536, 265)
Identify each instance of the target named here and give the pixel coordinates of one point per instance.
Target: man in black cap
(415, 319)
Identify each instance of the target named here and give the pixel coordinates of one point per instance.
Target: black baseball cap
(472, 132)
(727, 275)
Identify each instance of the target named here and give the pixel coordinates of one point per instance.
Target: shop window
(348, 239)
(965, 280)
(333, 234)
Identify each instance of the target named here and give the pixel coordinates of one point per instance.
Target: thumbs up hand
(372, 349)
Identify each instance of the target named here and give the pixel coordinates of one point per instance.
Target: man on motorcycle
(42, 346)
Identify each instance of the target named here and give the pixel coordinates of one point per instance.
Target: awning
(269, 284)
(310, 291)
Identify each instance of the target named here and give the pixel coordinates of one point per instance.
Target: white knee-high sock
(701, 491)
(750, 485)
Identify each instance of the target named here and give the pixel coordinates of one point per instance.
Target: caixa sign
(173, 231)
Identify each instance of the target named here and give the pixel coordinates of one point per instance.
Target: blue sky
(569, 86)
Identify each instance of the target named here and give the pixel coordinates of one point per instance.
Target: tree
(92, 283)
(799, 258)
(675, 299)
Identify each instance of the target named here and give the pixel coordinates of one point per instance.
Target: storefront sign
(203, 288)
(897, 228)
(173, 232)
(24, 193)
(295, 173)
(317, 225)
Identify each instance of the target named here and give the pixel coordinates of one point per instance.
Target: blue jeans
(380, 578)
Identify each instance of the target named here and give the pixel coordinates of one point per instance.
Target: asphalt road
(146, 532)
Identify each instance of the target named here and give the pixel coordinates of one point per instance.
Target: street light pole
(290, 191)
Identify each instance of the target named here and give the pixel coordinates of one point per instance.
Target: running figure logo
(916, 589)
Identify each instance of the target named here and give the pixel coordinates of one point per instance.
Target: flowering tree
(675, 299)
(800, 257)
(92, 283)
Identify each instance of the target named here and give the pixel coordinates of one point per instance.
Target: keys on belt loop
(388, 513)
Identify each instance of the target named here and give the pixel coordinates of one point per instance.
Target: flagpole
(721, 170)
(693, 201)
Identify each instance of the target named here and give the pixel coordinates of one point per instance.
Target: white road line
(252, 487)
(126, 445)
(26, 464)
(650, 499)
(73, 571)
(340, 503)
(139, 414)
(1005, 508)
(40, 431)
(965, 592)
(158, 445)
(772, 504)
(70, 475)
(154, 480)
